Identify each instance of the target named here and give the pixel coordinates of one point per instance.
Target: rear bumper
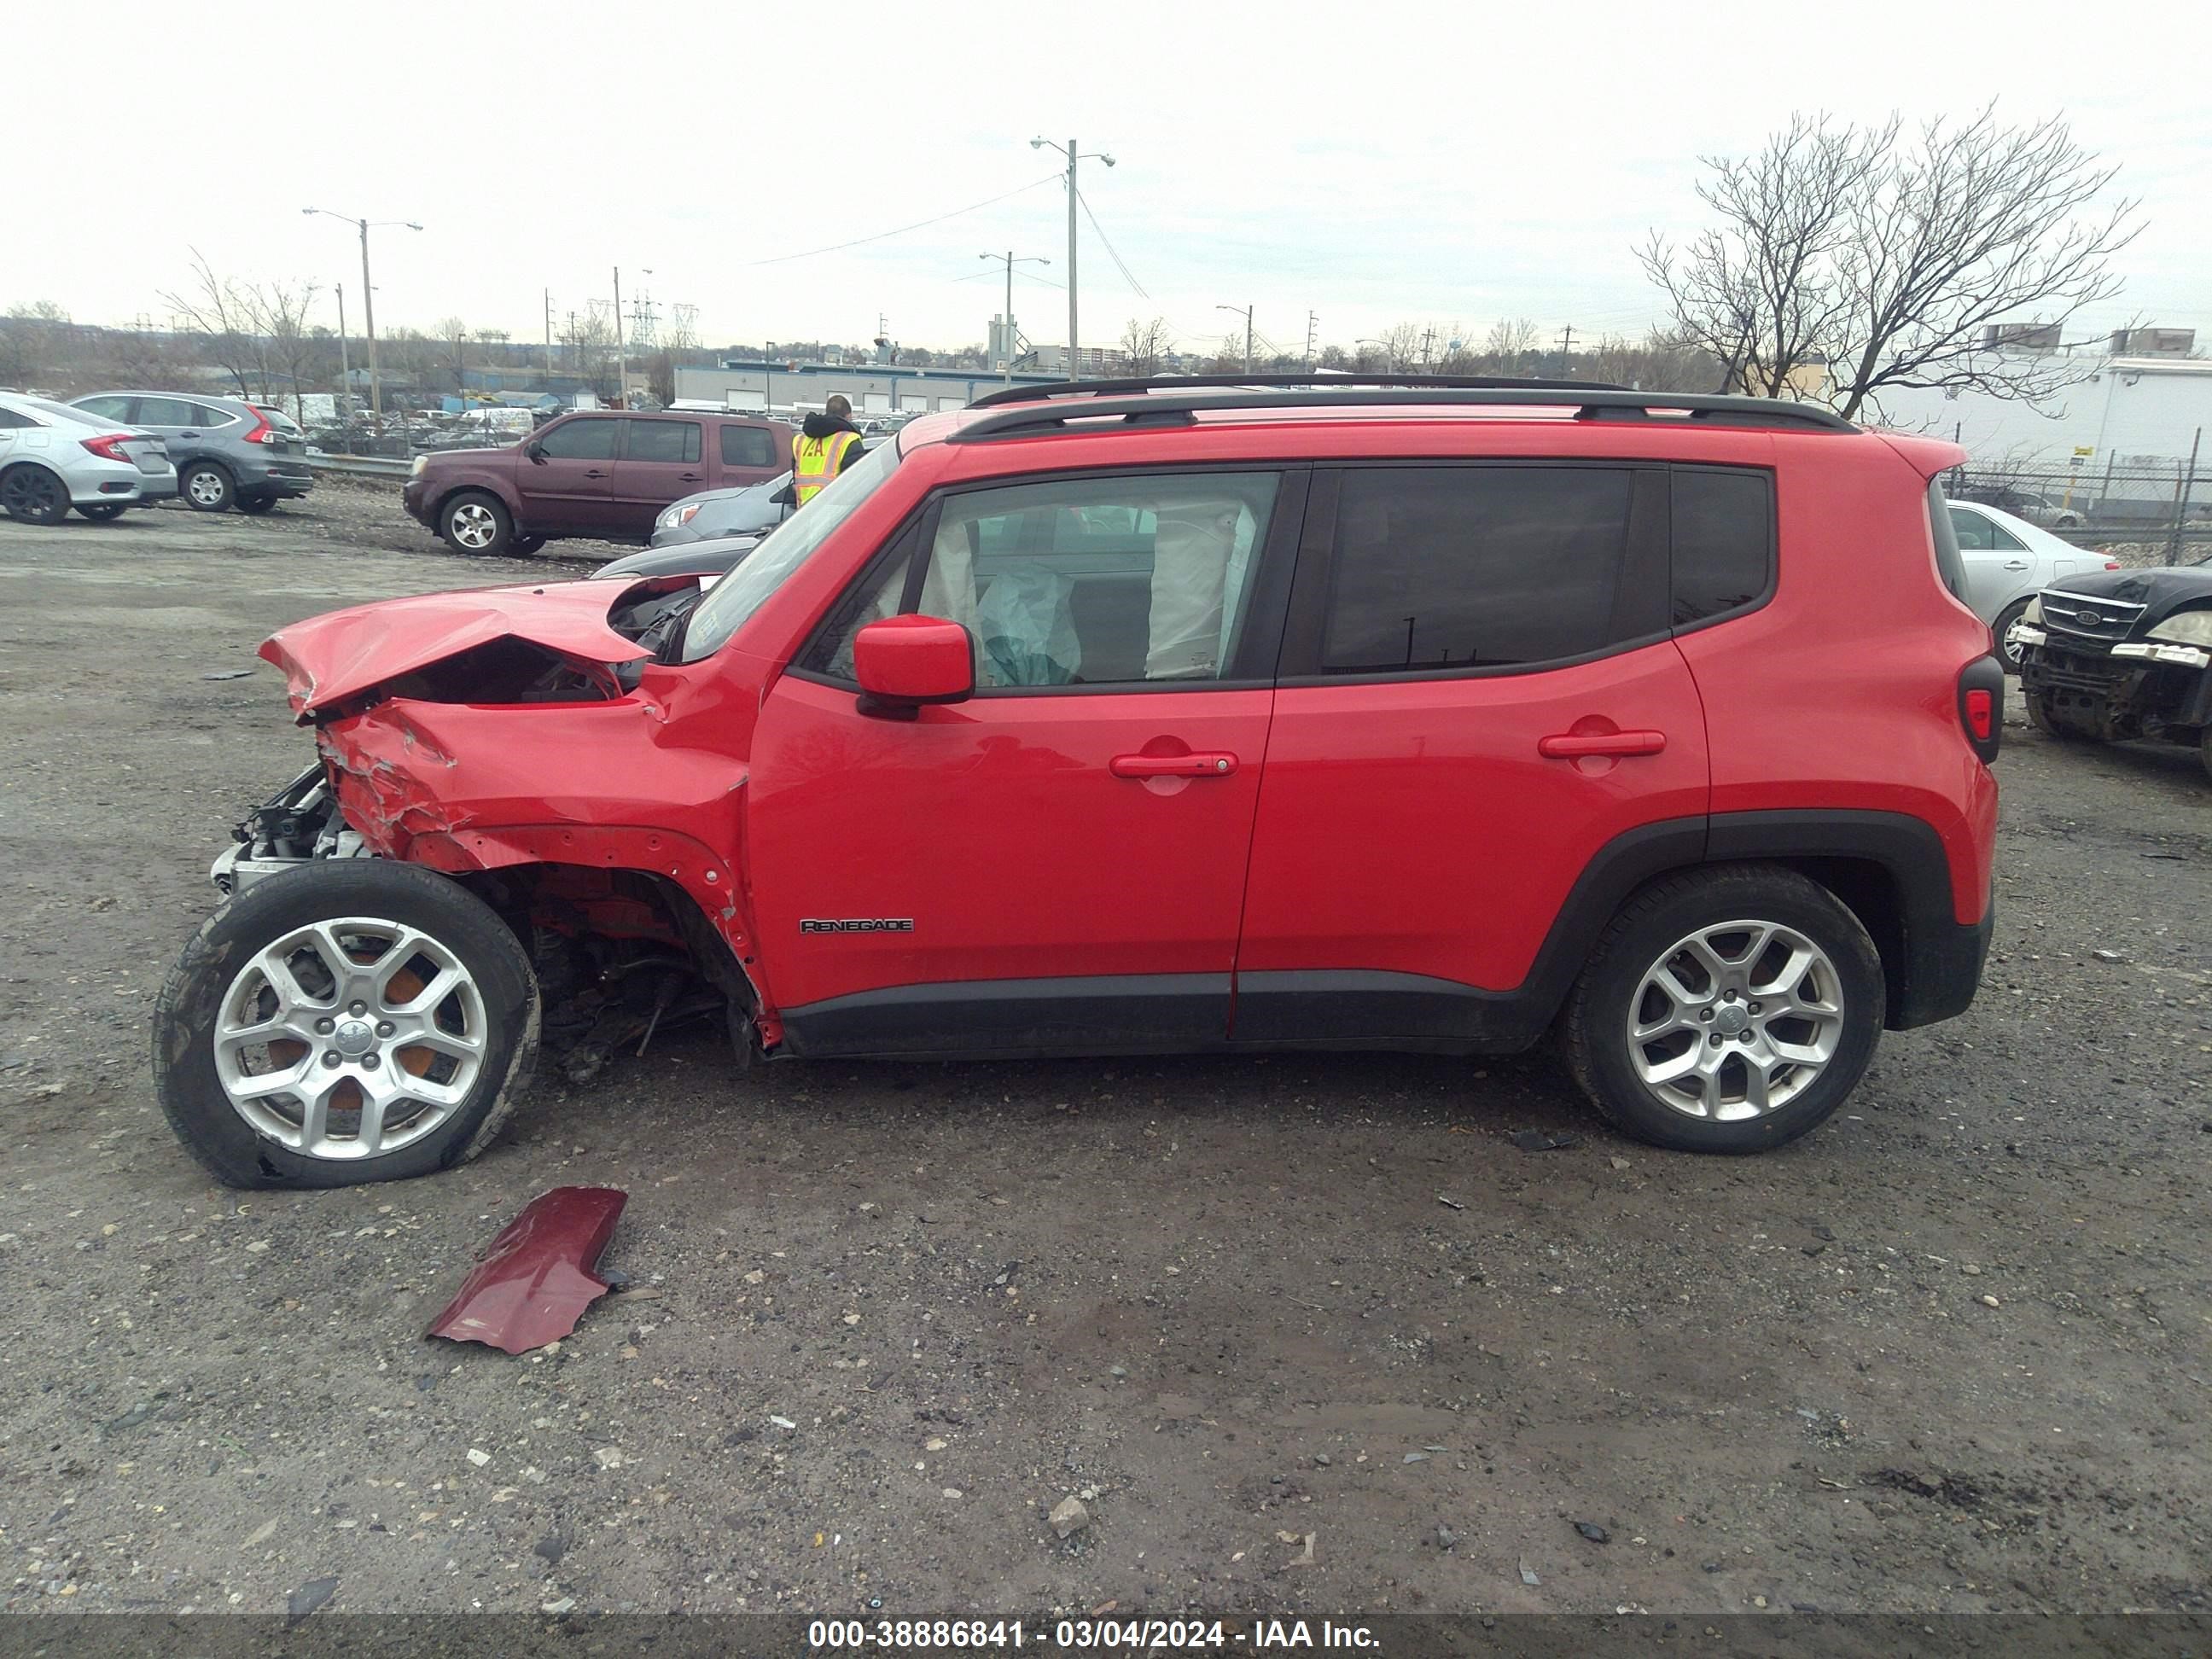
(109, 484)
(286, 480)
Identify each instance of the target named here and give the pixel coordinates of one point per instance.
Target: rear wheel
(1726, 1010)
(31, 494)
(207, 487)
(100, 512)
(351, 1021)
(475, 523)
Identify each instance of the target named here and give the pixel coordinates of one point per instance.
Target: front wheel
(475, 523)
(2043, 719)
(353, 1020)
(1726, 1010)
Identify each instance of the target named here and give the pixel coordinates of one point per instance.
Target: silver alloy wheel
(473, 526)
(206, 487)
(349, 1038)
(1735, 1020)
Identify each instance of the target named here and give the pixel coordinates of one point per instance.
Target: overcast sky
(1375, 163)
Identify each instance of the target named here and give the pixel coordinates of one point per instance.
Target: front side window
(168, 411)
(663, 440)
(1129, 580)
(1474, 567)
(108, 408)
(731, 602)
(748, 445)
(586, 440)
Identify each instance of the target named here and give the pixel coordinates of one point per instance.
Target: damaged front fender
(538, 1277)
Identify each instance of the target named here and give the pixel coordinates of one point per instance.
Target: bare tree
(34, 341)
(1878, 261)
(1146, 344)
(660, 378)
(217, 310)
(1511, 339)
(590, 340)
(1979, 224)
(1765, 291)
(288, 348)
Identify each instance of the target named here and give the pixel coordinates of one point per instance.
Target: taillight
(2111, 564)
(110, 448)
(1981, 705)
(262, 433)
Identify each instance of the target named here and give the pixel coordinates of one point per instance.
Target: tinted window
(748, 445)
(108, 408)
(277, 418)
(168, 411)
(579, 441)
(663, 440)
(9, 420)
(1949, 565)
(1464, 566)
(1723, 542)
(208, 416)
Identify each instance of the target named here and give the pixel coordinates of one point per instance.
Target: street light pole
(1245, 311)
(1008, 321)
(368, 300)
(345, 366)
(1074, 155)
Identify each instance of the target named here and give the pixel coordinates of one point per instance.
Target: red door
(1057, 863)
(1478, 696)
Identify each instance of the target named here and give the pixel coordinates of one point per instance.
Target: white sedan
(2009, 562)
(54, 457)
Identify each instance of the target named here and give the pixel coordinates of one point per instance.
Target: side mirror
(535, 450)
(903, 662)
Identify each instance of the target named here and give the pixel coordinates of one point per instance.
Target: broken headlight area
(297, 824)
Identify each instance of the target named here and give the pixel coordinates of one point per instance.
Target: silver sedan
(2009, 562)
(54, 457)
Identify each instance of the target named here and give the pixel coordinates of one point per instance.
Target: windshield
(730, 603)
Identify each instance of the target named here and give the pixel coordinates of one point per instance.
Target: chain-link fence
(2147, 509)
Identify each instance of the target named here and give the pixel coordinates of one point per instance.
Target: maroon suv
(604, 475)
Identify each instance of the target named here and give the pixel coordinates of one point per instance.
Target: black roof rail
(1345, 380)
(1157, 409)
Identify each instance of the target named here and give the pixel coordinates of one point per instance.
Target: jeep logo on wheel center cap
(1731, 1019)
(354, 1037)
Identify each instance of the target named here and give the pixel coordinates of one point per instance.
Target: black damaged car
(2116, 654)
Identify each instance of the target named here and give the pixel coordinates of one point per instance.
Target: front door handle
(1204, 765)
(595, 473)
(1571, 746)
(688, 477)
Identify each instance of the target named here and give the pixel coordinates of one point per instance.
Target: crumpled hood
(342, 654)
(2161, 590)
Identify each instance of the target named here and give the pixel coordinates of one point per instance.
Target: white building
(2129, 414)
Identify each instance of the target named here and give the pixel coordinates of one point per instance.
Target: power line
(1110, 252)
(919, 224)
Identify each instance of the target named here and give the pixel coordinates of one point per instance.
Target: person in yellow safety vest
(828, 443)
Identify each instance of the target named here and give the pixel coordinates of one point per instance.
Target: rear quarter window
(1948, 564)
(1722, 542)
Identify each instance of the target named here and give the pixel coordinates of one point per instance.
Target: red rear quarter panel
(1842, 691)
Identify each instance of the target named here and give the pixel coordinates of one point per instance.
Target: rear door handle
(595, 473)
(1567, 745)
(2015, 564)
(1212, 765)
(688, 477)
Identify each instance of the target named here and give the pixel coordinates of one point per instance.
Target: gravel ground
(1948, 1354)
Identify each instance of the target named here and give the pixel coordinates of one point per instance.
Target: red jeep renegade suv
(1139, 718)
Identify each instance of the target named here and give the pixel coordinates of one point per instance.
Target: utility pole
(1312, 322)
(367, 299)
(1428, 347)
(1566, 348)
(1008, 323)
(345, 367)
(622, 369)
(1074, 155)
(549, 335)
(1245, 311)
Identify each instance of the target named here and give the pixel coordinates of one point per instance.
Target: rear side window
(748, 445)
(663, 440)
(1723, 542)
(207, 415)
(586, 440)
(1475, 566)
(1949, 565)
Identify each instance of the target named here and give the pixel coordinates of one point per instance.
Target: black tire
(191, 1003)
(1673, 908)
(101, 512)
(32, 494)
(476, 524)
(2008, 655)
(256, 504)
(2204, 748)
(2040, 717)
(207, 487)
(526, 543)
